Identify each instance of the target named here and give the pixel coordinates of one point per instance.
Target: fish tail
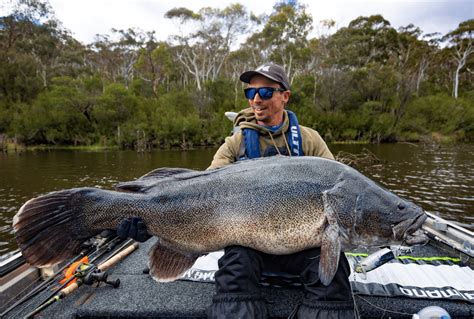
(51, 228)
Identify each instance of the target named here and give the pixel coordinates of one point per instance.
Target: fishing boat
(112, 282)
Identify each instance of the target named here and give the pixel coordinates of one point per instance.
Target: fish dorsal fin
(167, 264)
(147, 181)
(134, 186)
(164, 172)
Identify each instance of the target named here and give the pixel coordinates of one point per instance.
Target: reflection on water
(440, 179)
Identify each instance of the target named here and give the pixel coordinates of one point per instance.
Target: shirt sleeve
(227, 153)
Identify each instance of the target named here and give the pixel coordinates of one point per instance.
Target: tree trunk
(456, 82)
(461, 59)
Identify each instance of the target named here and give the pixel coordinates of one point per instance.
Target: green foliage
(114, 108)
(221, 96)
(19, 81)
(175, 120)
(365, 82)
(441, 114)
(56, 116)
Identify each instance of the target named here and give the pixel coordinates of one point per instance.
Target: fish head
(383, 217)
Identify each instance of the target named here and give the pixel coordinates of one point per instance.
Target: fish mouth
(409, 230)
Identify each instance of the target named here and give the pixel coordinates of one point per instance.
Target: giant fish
(277, 205)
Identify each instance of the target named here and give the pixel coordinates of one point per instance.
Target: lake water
(438, 178)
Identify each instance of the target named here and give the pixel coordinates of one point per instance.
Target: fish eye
(401, 206)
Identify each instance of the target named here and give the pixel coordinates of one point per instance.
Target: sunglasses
(265, 93)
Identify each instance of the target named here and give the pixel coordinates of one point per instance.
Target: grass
(11, 147)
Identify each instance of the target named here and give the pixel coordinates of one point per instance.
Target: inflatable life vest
(251, 143)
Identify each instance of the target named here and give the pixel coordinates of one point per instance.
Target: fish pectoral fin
(330, 244)
(167, 264)
(330, 252)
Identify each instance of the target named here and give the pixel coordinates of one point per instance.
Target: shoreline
(11, 147)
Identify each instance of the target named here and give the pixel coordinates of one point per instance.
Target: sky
(86, 18)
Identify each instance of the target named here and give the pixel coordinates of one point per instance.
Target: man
(267, 129)
(267, 117)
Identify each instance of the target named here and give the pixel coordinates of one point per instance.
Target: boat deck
(140, 296)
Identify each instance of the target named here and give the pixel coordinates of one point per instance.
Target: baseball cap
(271, 71)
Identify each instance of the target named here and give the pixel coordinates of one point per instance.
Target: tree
(115, 58)
(365, 40)
(410, 59)
(59, 115)
(462, 47)
(28, 39)
(283, 38)
(155, 63)
(114, 108)
(204, 52)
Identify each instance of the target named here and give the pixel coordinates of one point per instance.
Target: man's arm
(228, 152)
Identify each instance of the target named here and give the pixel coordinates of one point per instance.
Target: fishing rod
(102, 246)
(88, 274)
(68, 277)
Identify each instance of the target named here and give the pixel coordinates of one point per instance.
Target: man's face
(268, 112)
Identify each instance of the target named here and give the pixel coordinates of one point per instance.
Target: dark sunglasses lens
(265, 93)
(250, 93)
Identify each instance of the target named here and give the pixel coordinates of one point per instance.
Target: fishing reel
(89, 274)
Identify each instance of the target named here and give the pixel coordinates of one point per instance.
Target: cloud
(430, 16)
(85, 18)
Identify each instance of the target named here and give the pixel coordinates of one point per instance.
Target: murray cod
(277, 205)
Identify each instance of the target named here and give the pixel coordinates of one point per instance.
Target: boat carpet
(434, 277)
(139, 296)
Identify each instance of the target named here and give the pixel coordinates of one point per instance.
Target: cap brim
(247, 76)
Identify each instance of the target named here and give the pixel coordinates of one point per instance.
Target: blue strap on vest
(294, 138)
(252, 144)
(293, 135)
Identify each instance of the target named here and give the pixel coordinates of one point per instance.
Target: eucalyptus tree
(114, 57)
(317, 66)
(411, 60)
(428, 48)
(155, 63)
(30, 43)
(34, 49)
(128, 47)
(357, 59)
(283, 38)
(204, 51)
(461, 48)
(237, 62)
(364, 40)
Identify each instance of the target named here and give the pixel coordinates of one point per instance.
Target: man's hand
(134, 228)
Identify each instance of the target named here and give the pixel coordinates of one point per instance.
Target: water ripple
(441, 180)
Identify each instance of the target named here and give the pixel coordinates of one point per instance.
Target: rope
(368, 302)
(287, 146)
(273, 141)
(356, 308)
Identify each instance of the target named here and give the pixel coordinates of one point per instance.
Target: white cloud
(85, 18)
